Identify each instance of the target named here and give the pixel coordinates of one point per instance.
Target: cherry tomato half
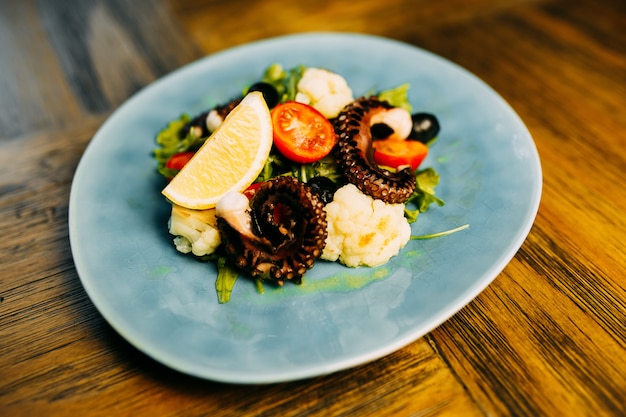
(395, 153)
(301, 133)
(279, 209)
(251, 190)
(178, 161)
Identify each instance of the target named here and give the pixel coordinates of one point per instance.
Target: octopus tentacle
(355, 154)
(287, 232)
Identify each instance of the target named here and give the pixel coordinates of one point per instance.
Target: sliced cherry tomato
(251, 190)
(395, 153)
(301, 133)
(178, 161)
(279, 212)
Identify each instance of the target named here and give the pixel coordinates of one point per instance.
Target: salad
(342, 181)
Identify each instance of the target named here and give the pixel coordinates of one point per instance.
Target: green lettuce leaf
(170, 143)
(397, 97)
(285, 82)
(277, 165)
(424, 194)
(225, 282)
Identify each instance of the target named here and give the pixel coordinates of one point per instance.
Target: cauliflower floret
(326, 91)
(362, 230)
(195, 230)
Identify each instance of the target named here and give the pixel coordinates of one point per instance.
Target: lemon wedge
(230, 159)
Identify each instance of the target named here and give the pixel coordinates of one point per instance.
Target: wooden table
(546, 337)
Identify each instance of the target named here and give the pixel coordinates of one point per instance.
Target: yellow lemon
(230, 159)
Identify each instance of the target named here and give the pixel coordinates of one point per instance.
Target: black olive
(425, 127)
(324, 187)
(270, 94)
(380, 131)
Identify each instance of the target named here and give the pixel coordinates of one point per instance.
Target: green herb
(440, 234)
(397, 97)
(170, 143)
(286, 83)
(226, 278)
(424, 194)
(258, 284)
(277, 165)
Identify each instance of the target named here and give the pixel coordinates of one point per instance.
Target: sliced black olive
(324, 187)
(425, 127)
(380, 131)
(270, 94)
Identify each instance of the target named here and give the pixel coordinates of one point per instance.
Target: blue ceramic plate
(165, 303)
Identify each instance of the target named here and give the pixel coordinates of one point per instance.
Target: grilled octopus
(355, 154)
(278, 235)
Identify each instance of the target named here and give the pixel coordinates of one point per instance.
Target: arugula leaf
(225, 282)
(424, 194)
(170, 143)
(258, 284)
(286, 83)
(440, 234)
(411, 215)
(325, 167)
(397, 97)
(275, 74)
(277, 165)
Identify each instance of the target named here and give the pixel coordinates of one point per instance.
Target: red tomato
(395, 153)
(251, 190)
(277, 213)
(301, 133)
(178, 161)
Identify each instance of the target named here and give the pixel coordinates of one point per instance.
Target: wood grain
(89, 55)
(547, 337)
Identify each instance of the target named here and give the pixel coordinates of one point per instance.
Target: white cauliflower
(362, 230)
(326, 91)
(195, 230)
